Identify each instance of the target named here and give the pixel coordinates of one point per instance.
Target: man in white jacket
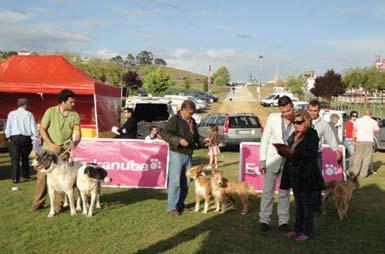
(277, 130)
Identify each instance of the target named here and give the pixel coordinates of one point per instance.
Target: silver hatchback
(233, 128)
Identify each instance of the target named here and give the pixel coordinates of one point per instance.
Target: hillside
(177, 75)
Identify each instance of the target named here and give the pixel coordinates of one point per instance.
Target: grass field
(135, 221)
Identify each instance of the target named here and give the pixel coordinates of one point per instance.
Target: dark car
(213, 97)
(233, 128)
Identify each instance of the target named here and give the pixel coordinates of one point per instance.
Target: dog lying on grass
(342, 193)
(224, 190)
(202, 187)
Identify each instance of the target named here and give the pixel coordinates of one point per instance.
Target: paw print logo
(330, 169)
(155, 164)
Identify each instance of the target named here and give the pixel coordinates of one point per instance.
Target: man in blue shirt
(21, 126)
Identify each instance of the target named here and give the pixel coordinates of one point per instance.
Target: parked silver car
(233, 128)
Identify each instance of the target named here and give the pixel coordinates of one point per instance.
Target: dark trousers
(304, 202)
(317, 194)
(19, 148)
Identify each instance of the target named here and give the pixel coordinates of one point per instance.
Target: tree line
(124, 72)
(333, 84)
(143, 57)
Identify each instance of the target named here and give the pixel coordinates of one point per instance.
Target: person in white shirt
(364, 129)
(277, 130)
(20, 128)
(154, 135)
(326, 136)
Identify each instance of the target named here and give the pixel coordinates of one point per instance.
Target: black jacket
(129, 129)
(177, 128)
(301, 172)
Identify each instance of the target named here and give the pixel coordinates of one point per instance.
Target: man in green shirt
(58, 125)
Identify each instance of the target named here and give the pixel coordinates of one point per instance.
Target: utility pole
(276, 78)
(209, 79)
(260, 57)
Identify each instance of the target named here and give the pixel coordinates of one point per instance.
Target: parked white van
(272, 99)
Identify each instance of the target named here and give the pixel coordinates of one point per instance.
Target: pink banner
(249, 165)
(130, 163)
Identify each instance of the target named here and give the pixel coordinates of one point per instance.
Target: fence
(348, 104)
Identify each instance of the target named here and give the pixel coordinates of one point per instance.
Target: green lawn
(135, 221)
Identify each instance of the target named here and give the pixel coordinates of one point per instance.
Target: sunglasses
(299, 122)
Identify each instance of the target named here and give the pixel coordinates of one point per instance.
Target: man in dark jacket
(129, 129)
(181, 133)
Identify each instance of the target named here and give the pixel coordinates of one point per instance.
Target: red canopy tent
(41, 78)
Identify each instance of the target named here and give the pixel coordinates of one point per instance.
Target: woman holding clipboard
(301, 173)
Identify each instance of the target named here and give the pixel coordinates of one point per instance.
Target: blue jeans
(350, 148)
(177, 181)
(304, 212)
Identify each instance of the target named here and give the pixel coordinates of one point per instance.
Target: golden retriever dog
(342, 193)
(223, 190)
(202, 187)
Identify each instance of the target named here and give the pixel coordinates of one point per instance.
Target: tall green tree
(296, 85)
(160, 61)
(130, 60)
(118, 60)
(144, 57)
(221, 76)
(156, 82)
(329, 85)
(367, 78)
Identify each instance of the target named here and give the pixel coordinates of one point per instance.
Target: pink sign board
(249, 165)
(130, 163)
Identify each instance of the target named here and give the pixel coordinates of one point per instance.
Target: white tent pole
(96, 117)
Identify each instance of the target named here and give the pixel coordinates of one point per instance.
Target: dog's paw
(73, 213)
(98, 206)
(78, 209)
(50, 215)
(89, 215)
(65, 205)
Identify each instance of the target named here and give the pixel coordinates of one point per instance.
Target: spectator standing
(182, 135)
(326, 136)
(213, 147)
(21, 126)
(278, 128)
(363, 141)
(348, 136)
(58, 125)
(129, 129)
(301, 173)
(333, 125)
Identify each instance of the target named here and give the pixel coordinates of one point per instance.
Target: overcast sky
(294, 35)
